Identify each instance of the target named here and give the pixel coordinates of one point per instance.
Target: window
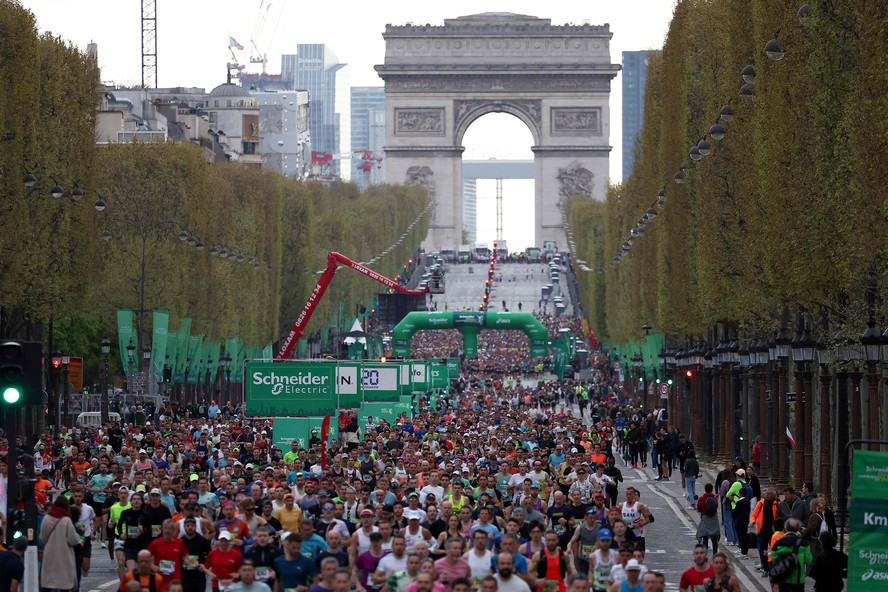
(249, 147)
(212, 116)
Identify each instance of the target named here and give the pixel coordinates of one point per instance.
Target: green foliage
(788, 209)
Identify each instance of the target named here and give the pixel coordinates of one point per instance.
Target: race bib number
(558, 528)
(550, 585)
(167, 567)
(225, 585)
(155, 530)
(476, 583)
(586, 550)
(133, 532)
(262, 574)
(190, 562)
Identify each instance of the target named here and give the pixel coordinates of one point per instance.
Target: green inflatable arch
(470, 324)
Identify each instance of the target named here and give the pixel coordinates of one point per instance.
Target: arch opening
(497, 142)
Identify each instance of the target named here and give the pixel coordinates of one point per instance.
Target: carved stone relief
(575, 180)
(517, 83)
(423, 122)
(570, 121)
(423, 176)
(532, 109)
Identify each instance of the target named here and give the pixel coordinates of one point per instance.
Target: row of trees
(787, 211)
(55, 265)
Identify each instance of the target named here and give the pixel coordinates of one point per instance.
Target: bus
(481, 253)
(533, 254)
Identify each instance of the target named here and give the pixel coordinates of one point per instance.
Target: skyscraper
(634, 79)
(367, 133)
(317, 69)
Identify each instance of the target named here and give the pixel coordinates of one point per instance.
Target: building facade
(283, 129)
(634, 74)
(317, 69)
(367, 135)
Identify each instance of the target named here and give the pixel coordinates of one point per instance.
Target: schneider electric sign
(281, 389)
(868, 541)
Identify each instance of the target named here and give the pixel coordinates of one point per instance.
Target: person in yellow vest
(456, 497)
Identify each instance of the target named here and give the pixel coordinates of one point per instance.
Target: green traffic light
(12, 395)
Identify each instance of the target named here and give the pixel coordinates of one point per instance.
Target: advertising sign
(377, 411)
(470, 319)
(868, 541)
(348, 387)
(288, 429)
(75, 372)
(381, 382)
(419, 375)
(439, 376)
(289, 389)
(453, 368)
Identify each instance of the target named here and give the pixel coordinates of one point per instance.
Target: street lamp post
(823, 360)
(56, 365)
(65, 411)
(872, 345)
(223, 367)
(103, 376)
(130, 357)
(803, 357)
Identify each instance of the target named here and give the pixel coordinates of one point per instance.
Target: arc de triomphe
(556, 79)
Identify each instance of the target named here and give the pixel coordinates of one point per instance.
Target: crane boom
(334, 260)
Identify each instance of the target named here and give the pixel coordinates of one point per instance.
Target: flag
(789, 438)
(321, 158)
(232, 42)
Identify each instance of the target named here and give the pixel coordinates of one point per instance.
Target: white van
(93, 419)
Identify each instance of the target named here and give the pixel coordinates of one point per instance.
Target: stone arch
(467, 112)
(554, 78)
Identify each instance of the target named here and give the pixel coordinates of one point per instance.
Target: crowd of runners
(503, 485)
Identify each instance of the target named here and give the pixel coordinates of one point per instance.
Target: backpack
(710, 507)
(746, 491)
(786, 565)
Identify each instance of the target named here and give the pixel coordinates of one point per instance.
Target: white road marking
(747, 584)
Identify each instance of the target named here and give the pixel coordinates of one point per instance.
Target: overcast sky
(193, 42)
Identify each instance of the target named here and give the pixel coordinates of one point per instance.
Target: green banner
(195, 351)
(438, 375)
(182, 351)
(288, 429)
(290, 389)
(238, 353)
(125, 334)
(170, 357)
(377, 411)
(160, 327)
(868, 540)
(453, 368)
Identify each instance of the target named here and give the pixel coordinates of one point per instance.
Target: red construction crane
(334, 261)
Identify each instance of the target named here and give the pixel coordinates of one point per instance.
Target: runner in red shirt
(693, 580)
(223, 562)
(168, 552)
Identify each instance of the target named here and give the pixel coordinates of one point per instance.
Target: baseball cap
(599, 494)
(741, 473)
(633, 565)
(289, 496)
(155, 491)
(591, 510)
(249, 466)
(194, 477)
(413, 515)
(140, 489)
(124, 488)
(227, 536)
(605, 534)
(366, 512)
(412, 494)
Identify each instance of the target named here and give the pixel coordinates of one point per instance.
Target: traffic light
(383, 359)
(17, 524)
(20, 373)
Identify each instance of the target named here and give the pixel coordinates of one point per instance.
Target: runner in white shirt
(393, 563)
